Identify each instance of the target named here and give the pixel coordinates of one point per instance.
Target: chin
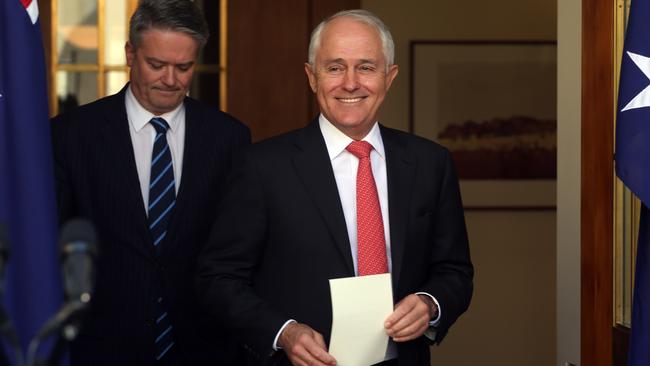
(169, 104)
(351, 122)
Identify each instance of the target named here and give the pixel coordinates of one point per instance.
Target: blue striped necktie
(162, 199)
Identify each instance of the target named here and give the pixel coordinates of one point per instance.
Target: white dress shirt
(345, 166)
(143, 135)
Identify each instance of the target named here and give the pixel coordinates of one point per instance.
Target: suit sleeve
(228, 261)
(451, 271)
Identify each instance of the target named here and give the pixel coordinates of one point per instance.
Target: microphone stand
(65, 321)
(7, 330)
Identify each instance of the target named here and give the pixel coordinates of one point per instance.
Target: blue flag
(633, 162)
(27, 199)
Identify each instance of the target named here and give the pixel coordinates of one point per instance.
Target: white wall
(568, 181)
(512, 318)
(455, 20)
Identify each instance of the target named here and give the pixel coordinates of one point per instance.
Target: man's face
(161, 69)
(349, 76)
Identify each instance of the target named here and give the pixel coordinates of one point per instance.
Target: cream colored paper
(360, 306)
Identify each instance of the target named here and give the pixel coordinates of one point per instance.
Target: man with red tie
(344, 196)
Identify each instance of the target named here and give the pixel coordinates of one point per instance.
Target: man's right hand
(304, 346)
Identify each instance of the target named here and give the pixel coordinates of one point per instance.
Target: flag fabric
(27, 195)
(633, 163)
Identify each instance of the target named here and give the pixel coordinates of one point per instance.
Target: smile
(350, 100)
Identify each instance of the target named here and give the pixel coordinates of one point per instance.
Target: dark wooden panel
(621, 337)
(321, 9)
(597, 181)
(267, 48)
(266, 51)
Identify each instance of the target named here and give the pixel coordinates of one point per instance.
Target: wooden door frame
(602, 344)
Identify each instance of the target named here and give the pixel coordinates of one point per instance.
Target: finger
(318, 351)
(297, 362)
(418, 314)
(318, 338)
(299, 355)
(303, 356)
(414, 330)
(401, 309)
(411, 336)
(328, 358)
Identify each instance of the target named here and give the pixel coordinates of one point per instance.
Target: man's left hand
(410, 318)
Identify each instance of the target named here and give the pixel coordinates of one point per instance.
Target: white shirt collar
(140, 117)
(336, 141)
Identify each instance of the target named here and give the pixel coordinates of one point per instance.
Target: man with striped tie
(342, 197)
(146, 166)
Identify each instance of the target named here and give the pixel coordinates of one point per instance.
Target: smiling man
(146, 166)
(342, 197)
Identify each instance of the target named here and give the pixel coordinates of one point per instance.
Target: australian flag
(633, 162)
(27, 203)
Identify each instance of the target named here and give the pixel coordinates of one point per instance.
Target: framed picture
(493, 105)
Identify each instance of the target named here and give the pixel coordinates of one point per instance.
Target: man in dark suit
(146, 166)
(341, 197)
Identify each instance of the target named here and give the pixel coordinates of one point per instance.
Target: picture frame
(493, 105)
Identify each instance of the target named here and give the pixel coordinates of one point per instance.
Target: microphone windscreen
(78, 235)
(78, 253)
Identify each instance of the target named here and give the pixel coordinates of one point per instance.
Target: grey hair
(387, 44)
(175, 15)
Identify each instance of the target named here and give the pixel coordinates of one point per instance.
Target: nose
(351, 80)
(169, 76)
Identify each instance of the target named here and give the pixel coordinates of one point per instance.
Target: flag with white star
(633, 117)
(633, 163)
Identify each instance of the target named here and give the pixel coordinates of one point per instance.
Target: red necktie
(371, 244)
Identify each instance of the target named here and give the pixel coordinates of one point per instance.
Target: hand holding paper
(305, 346)
(410, 318)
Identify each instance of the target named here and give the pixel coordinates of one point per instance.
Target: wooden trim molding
(597, 182)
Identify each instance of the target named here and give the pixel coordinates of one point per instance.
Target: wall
(512, 319)
(568, 182)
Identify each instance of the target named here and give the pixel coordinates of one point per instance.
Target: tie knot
(360, 149)
(159, 124)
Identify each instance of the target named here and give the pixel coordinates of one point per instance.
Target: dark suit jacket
(281, 235)
(97, 179)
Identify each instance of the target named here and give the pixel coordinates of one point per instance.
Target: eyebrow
(342, 61)
(155, 60)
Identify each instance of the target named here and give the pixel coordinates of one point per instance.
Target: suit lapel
(400, 169)
(118, 141)
(313, 166)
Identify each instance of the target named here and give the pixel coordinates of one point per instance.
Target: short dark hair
(175, 15)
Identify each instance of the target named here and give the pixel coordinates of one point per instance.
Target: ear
(129, 51)
(391, 75)
(311, 75)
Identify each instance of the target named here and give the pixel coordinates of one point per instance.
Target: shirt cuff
(436, 321)
(277, 336)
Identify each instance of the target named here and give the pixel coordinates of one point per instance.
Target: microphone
(78, 251)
